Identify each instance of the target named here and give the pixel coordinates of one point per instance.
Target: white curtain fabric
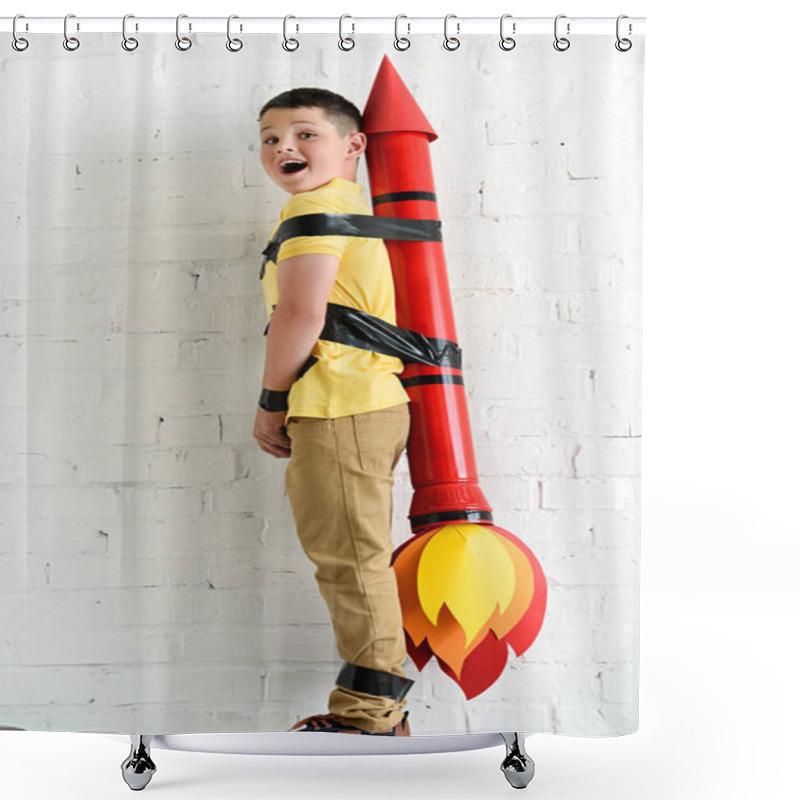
(152, 577)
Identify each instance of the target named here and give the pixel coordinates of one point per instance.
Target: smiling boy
(339, 412)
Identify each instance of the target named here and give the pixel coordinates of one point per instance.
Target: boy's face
(304, 135)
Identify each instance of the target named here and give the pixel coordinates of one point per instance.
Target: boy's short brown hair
(337, 109)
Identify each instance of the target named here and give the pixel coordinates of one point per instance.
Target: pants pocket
(306, 422)
(381, 437)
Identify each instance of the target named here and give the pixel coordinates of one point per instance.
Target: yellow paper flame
(469, 568)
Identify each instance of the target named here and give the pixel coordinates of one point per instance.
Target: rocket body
(469, 590)
(440, 450)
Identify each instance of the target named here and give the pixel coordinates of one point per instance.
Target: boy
(339, 412)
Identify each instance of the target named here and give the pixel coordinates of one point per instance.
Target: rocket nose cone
(391, 106)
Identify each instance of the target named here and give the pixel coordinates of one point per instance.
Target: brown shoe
(333, 723)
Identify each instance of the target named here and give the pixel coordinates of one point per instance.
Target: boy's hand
(270, 433)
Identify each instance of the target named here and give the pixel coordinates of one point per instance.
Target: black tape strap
(420, 380)
(356, 328)
(373, 681)
(396, 197)
(451, 516)
(359, 225)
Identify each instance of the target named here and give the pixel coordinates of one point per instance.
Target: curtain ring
(561, 43)
(70, 42)
(128, 42)
(343, 39)
(397, 38)
(623, 45)
(506, 42)
(290, 45)
(182, 42)
(17, 42)
(448, 40)
(234, 45)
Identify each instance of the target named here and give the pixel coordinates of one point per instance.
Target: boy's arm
(304, 285)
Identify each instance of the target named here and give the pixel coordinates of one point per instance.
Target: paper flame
(468, 591)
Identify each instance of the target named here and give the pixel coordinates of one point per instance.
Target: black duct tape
(373, 681)
(356, 328)
(399, 197)
(445, 517)
(359, 225)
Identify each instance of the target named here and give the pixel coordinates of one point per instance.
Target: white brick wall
(152, 579)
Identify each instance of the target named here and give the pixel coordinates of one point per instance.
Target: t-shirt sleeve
(300, 245)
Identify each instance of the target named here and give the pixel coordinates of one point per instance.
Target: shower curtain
(153, 575)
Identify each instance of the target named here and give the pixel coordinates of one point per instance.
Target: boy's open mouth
(291, 166)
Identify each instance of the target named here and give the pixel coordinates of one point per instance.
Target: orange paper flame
(468, 591)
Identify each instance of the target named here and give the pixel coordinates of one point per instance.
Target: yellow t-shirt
(345, 380)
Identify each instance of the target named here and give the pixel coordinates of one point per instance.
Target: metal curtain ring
(128, 42)
(289, 45)
(18, 43)
(182, 42)
(397, 38)
(342, 39)
(506, 42)
(234, 45)
(70, 42)
(561, 43)
(623, 45)
(450, 42)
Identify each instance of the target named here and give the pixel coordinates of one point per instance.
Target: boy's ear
(358, 142)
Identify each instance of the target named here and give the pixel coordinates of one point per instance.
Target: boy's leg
(339, 481)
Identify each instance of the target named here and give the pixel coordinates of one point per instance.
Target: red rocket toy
(467, 587)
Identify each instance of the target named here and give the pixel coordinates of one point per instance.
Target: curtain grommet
(561, 43)
(397, 38)
(451, 42)
(346, 42)
(289, 44)
(233, 45)
(17, 41)
(129, 43)
(183, 43)
(623, 45)
(70, 42)
(507, 42)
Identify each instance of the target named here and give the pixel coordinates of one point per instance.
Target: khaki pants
(339, 481)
